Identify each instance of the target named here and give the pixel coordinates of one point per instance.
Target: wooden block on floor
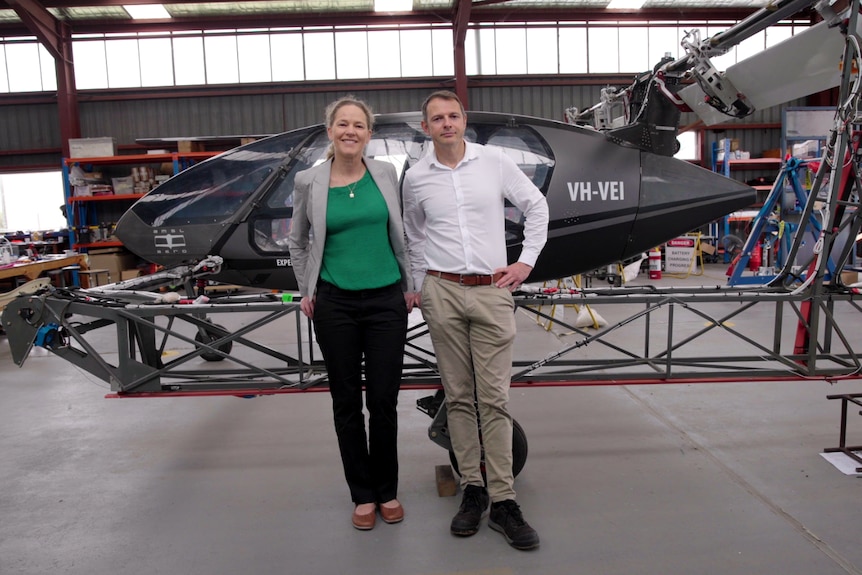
(446, 484)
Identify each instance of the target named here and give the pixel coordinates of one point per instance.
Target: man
(455, 226)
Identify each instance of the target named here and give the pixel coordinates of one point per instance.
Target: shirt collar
(471, 152)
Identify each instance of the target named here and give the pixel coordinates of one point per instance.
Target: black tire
(519, 452)
(210, 337)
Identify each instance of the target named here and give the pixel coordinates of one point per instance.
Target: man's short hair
(443, 95)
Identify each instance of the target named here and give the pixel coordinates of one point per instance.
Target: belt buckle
(461, 281)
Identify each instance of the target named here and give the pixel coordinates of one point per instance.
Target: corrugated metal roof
(82, 11)
(90, 13)
(207, 9)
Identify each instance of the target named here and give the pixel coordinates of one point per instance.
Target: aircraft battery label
(169, 241)
(587, 191)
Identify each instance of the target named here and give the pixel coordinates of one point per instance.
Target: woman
(347, 249)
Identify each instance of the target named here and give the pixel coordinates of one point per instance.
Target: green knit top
(357, 254)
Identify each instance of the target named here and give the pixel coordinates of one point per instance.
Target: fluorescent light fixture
(147, 12)
(393, 5)
(625, 4)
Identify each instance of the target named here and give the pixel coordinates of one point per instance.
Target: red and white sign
(679, 255)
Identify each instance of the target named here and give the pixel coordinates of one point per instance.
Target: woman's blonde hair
(333, 108)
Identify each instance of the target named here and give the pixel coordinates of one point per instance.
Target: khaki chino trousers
(473, 330)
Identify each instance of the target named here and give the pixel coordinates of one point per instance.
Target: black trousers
(352, 325)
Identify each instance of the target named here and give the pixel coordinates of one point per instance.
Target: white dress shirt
(454, 218)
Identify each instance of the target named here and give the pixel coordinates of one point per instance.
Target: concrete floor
(722, 478)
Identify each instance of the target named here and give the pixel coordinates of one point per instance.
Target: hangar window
(196, 57)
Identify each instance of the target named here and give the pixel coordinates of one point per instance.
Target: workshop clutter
(7, 254)
(102, 232)
(141, 180)
(114, 261)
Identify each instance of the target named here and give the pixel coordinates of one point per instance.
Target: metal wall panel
(30, 127)
(129, 120)
(541, 101)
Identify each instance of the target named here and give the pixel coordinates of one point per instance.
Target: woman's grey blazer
(308, 226)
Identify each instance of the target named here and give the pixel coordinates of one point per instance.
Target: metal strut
(688, 335)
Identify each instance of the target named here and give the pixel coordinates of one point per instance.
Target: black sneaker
(473, 506)
(507, 519)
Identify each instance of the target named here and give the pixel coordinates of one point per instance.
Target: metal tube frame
(730, 320)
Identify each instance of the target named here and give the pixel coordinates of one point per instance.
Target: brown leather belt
(466, 279)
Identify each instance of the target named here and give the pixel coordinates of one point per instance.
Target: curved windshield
(269, 228)
(213, 191)
(402, 145)
(311, 154)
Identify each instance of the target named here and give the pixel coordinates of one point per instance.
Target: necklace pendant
(351, 193)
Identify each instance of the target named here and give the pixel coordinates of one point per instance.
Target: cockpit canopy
(193, 214)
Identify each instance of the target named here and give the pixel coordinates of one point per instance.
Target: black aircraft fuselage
(608, 200)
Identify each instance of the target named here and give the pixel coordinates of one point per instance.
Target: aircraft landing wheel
(519, 452)
(207, 337)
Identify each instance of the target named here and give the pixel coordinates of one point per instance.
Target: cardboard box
(849, 278)
(807, 149)
(734, 144)
(737, 155)
(123, 186)
(708, 249)
(112, 259)
(92, 147)
(184, 146)
(129, 274)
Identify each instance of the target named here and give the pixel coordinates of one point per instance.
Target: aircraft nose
(678, 197)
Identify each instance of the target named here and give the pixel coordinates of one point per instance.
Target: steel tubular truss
(692, 335)
(798, 326)
(704, 335)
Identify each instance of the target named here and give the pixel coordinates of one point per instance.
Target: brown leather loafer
(364, 521)
(392, 514)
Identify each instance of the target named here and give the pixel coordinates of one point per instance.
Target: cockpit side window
(533, 156)
(527, 149)
(269, 234)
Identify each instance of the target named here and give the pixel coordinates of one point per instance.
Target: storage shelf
(141, 158)
(752, 163)
(727, 127)
(104, 244)
(82, 211)
(105, 198)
